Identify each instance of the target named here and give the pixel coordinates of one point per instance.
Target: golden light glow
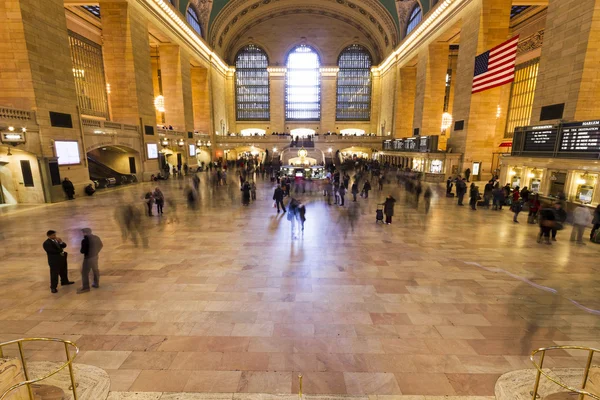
(159, 103)
(446, 121)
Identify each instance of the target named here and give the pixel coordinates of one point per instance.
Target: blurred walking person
(366, 188)
(278, 198)
(581, 219)
(354, 190)
(90, 248)
(149, 200)
(427, 197)
(596, 223)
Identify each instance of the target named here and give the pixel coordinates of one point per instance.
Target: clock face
(302, 153)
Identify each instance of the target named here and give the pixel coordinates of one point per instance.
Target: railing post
(586, 372)
(73, 386)
(538, 376)
(25, 369)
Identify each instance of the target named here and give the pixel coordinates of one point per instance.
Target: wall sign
(581, 136)
(420, 144)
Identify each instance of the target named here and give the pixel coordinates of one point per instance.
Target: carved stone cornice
(531, 43)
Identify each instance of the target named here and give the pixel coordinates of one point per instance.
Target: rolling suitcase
(379, 214)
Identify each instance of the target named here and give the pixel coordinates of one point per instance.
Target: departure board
(541, 138)
(580, 137)
(421, 144)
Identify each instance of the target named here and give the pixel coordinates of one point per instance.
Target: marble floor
(224, 300)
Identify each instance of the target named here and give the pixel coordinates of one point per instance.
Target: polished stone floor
(224, 300)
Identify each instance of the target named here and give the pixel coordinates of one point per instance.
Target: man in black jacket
(90, 248)
(57, 260)
(278, 197)
(68, 188)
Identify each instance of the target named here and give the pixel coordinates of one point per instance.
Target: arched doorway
(113, 165)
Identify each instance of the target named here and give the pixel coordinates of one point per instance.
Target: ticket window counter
(535, 177)
(558, 180)
(584, 188)
(418, 164)
(436, 167)
(515, 175)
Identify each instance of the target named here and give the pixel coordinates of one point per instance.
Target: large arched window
(192, 18)
(303, 85)
(415, 18)
(252, 84)
(354, 84)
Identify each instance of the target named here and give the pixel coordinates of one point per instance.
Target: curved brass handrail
(28, 381)
(540, 370)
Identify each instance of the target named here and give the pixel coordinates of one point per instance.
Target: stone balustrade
(16, 115)
(108, 127)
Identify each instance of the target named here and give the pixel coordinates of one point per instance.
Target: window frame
(354, 48)
(416, 11)
(287, 101)
(265, 70)
(195, 17)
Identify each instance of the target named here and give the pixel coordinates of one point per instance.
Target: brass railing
(28, 382)
(582, 392)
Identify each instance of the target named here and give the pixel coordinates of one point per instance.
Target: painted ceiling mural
(398, 9)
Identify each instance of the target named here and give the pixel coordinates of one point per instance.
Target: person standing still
(68, 188)
(354, 190)
(57, 260)
(278, 197)
(461, 190)
(388, 209)
(468, 174)
(342, 193)
(90, 248)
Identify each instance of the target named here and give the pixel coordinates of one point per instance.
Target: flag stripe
(495, 67)
(488, 78)
(504, 79)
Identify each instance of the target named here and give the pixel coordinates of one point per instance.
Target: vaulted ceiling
(377, 24)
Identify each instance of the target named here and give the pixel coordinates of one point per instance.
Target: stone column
(376, 102)
(328, 101)
(126, 53)
(277, 94)
(201, 99)
(36, 73)
(485, 24)
(177, 87)
(569, 62)
(432, 68)
(405, 103)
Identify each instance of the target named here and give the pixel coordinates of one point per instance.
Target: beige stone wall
(386, 108)
(569, 71)
(39, 77)
(405, 102)
(201, 99)
(177, 87)
(218, 87)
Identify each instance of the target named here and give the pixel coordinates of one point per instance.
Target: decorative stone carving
(531, 43)
(404, 7)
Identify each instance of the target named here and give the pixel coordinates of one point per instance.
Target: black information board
(580, 137)
(420, 144)
(541, 138)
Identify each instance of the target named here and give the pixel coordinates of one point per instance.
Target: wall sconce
(165, 142)
(208, 144)
(181, 143)
(329, 150)
(199, 143)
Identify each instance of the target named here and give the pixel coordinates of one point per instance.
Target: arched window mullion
(415, 18)
(303, 85)
(354, 85)
(252, 90)
(192, 18)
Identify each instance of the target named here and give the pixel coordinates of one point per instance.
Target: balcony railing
(107, 127)
(16, 115)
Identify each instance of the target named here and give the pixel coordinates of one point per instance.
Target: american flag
(496, 67)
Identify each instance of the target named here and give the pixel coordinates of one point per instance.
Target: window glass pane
(521, 96)
(88, 71)
(303, 85)
(193, 20)
(354, 85)
(252, 84)
(415, 17)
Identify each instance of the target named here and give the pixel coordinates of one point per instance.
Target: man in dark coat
(90, 248)
(461, 190)
(278, 197)
(388, 209)
(57, 260)
(68, 188)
